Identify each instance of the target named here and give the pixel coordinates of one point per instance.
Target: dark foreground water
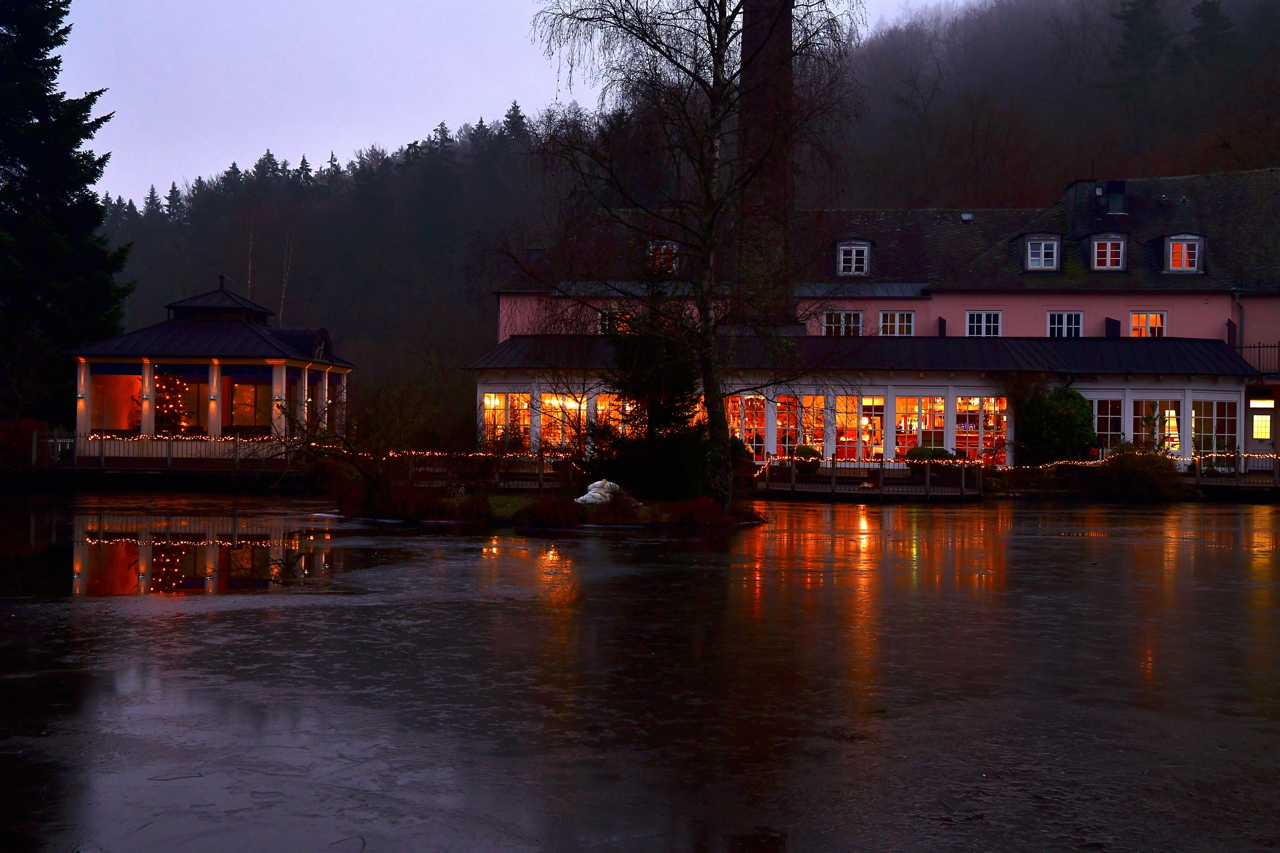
(259, 677)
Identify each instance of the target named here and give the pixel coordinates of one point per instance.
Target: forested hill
(391, 251)
(1001, 103)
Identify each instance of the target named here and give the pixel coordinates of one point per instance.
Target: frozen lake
(242, 675)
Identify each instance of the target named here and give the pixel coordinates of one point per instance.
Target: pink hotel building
(1157, 299)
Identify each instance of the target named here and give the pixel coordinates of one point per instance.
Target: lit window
(615, 322)
(1157, 425)
(1184, 254)
(563, 421)
(1262, 427)
(662, 256)
(1065, 324)
(1042, 254)
(853, 258)
(1262, 404)
(1146, 325)
(505, 420)
(898, 324)
(842, 324)
(984, 324)
(1108, 252)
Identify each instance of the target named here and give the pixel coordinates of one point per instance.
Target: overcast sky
(195, 85)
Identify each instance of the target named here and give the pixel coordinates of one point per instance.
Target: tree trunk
(720, 463)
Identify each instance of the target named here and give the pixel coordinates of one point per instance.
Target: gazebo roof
(217, 324)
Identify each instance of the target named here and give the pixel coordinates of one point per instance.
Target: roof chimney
(1115, 196)
(765, 130)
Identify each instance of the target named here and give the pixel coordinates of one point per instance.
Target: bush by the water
(1128, 474)
(1056, 426)
(670, 467)
(550, 511)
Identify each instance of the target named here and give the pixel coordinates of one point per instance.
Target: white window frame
(1185, 239)
(1079, 315)
(849, 251)
(829, 328)
(1109, 238)
(984, 324)
(1042, 240)
(657, 250)
(910, 324)
(1164, 323)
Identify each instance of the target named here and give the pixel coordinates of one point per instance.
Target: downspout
(1235, 295)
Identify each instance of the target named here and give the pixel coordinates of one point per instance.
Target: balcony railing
(1264, 358)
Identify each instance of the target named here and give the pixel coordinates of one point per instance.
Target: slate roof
(212, 339)
(1070, 356)
(1236, 213)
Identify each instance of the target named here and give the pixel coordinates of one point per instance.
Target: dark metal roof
(1073, 356)
(219, 300)
(213, 339)
(1235, 213)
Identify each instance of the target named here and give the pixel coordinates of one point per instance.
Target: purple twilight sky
(197, 85)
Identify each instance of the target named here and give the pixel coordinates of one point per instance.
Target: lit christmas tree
(172, 416)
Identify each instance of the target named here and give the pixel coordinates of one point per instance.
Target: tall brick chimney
(765, 130)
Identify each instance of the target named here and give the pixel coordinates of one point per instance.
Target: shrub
(668, 467)
(925, 454)
(1055, 427)
(807, 459)
(1128, 474)
(699, 512)
(550, 511)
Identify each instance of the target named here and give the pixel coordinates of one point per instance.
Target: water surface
(224, 675)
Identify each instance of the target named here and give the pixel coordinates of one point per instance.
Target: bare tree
(705, 107)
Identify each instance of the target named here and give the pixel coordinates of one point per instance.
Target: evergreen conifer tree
(175, 206)
(57, 275)
(1213, 38)
(1143, 49)
(303, 173)
(152, 209)
(514, 123)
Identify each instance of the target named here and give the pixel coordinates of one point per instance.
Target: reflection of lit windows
(1262, 427)
(1213, 426)
(1108, 422)
(1149, 324)
(1157, 425)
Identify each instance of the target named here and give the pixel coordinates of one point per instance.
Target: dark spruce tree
(57, 275)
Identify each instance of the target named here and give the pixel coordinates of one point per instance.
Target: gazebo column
(322, 401)
(279, 425)
(215, 400)
(829, 425)
(341, 426)
(890, 424)
(144, 562)
(84, 398)
(148, 398)
(770, 426)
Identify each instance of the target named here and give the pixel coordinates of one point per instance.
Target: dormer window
(853, 258)
(1042, 253)
(1108, 252)
(1184, 253)
(662, 256)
